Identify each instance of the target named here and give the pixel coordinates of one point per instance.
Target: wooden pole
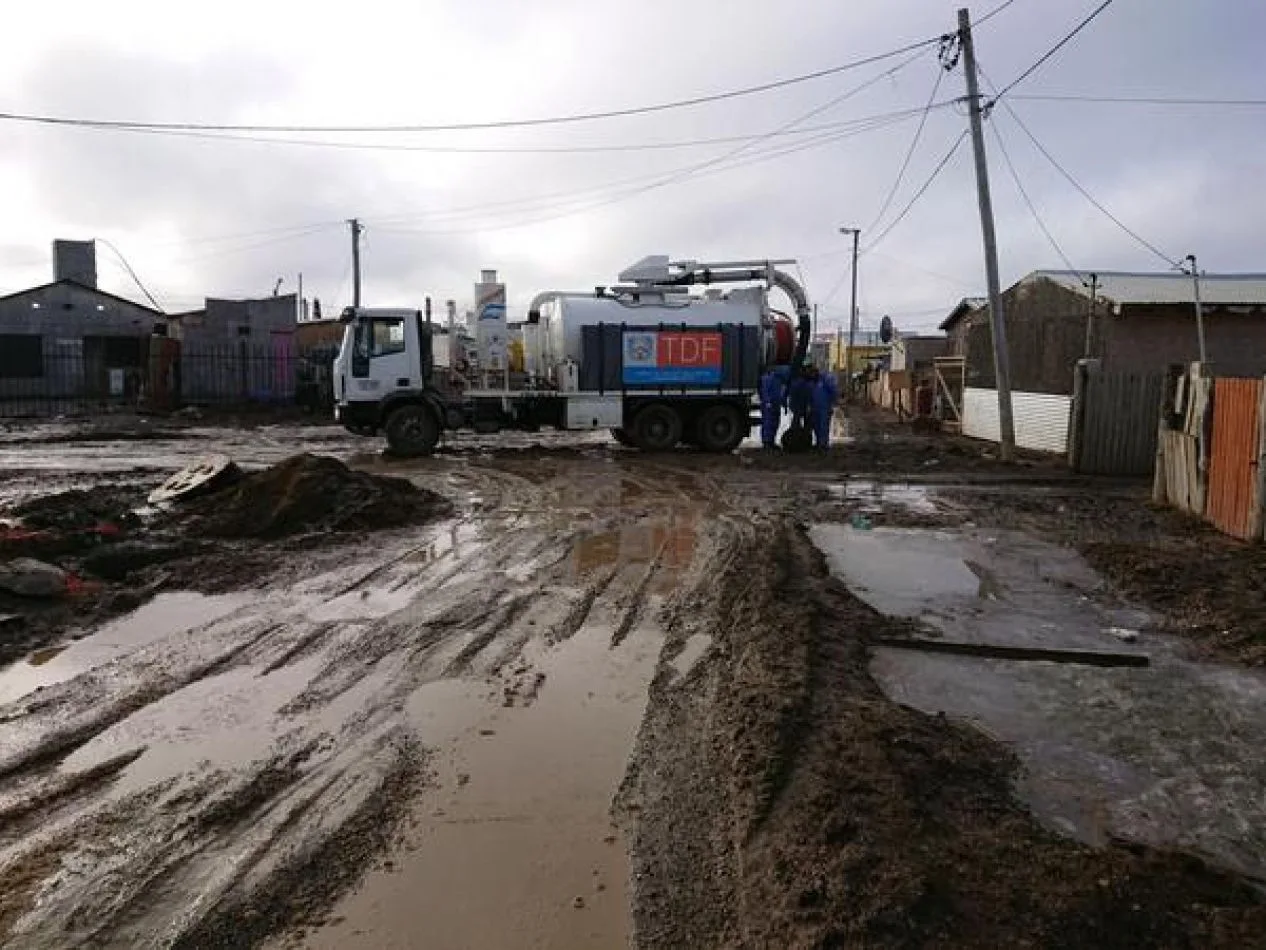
(997, 319)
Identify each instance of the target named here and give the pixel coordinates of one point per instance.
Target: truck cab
(386, 361)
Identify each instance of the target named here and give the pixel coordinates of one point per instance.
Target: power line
(486, 150)
(694, 170)
(1144, 100)
(905, 211)
(1015, 176)
(994, 12)
(469, 126)
(1084, 193)
(1052, 51)
(281, 239)
(905, 164)
(132, 273)
(918, 194)
(627, 193)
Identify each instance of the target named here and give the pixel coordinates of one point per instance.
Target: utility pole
(852, 305)
(997, 319)
(1195, 282)
(1090, 317)
(356, 232)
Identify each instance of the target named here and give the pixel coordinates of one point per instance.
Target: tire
(657, 428)
(412, 430)
(622, 436)
(720, 429)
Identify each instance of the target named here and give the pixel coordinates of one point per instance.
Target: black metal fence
(168, 377)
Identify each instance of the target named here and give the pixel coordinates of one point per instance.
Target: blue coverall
(800, 400)
(824, 394)
(773, 395)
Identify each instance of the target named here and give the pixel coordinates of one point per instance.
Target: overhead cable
(1052, 51)
(1015, 176)
(692, 171)
(905, 164)
(138, 125)
(514, 149)
(918, 194)
(131, 273)
(1143, 100)
(1086, 194)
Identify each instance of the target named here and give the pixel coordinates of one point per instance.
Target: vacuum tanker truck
(651, 358)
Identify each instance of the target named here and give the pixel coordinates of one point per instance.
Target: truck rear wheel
(657, 428)
(412, 430)
(622, 436)
(720, 429)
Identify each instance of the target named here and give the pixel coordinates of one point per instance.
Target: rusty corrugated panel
(1233, 456)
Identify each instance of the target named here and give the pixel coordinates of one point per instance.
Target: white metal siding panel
(980, 414)
(1041, 419)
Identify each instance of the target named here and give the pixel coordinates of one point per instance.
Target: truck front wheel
(720, 429)
(412, 430)
(657, 428)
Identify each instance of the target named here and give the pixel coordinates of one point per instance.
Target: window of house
(21, 356)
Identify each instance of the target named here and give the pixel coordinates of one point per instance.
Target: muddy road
(611, 700)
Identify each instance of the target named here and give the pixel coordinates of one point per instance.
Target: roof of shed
(1124, 287)
(966, 305)
(82, 286)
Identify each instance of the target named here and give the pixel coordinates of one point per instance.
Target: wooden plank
(995, 651)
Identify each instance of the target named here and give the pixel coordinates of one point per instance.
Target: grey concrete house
(238, 350)
(70, 340)
(1141, 323)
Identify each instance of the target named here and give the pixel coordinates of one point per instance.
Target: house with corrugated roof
(1133, 322)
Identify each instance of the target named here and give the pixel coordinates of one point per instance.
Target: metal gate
(1232, 503)
(1115, 422)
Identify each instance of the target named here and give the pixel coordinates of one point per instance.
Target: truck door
(381, 355)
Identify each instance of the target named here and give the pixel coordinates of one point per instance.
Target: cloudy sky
(205, 215)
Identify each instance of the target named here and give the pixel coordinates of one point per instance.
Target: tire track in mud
(111, 818)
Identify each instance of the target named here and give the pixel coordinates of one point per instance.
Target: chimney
(75, 260)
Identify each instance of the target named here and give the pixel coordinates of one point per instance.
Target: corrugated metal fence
(1212, 461)
(1115, 422)
(1233, 506)
(1041, 419)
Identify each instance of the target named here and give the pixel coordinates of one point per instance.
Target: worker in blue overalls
(773, 397)
(800, 397)
(825, 392)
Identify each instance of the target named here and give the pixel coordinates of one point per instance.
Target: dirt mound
(311, 493)
(81, 509)
(783, 800)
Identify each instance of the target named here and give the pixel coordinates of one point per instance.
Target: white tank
(562, 318)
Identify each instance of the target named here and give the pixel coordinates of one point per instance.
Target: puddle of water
(517, 849)
(166, 614)
(1169, 755)
(40, 657)
(671, 541)
(899, 572)
(696, 646)
(222, 721)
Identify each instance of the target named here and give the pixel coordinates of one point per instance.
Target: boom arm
(691, 272)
